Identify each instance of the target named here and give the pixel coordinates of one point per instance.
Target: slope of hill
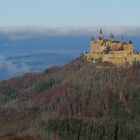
(77, 101)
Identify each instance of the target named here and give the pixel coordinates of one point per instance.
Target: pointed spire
(111, 37)
(100, 37)
(130, 42)
(101, 30)
(122, 38)
(92, 38)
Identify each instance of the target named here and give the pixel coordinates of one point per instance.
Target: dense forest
(77, 101)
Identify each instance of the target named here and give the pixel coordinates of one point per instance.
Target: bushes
(115, 107)
(9, 92)
(43, 85)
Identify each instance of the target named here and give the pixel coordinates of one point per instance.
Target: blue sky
(69, 13)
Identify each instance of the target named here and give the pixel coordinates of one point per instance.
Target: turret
(101, 37)
(92, 43)
(122, 39)
(111, 38)
(130, 42)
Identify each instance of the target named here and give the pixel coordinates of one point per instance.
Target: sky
(69, 13)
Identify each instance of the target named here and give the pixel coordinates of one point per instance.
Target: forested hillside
(78, 101)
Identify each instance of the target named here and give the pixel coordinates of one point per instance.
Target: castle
(110, 50)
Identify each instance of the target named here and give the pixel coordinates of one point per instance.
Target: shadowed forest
(78, 101)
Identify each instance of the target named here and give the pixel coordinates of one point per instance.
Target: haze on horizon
(65, 13)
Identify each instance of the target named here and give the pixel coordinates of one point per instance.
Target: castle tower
(122, 40)
(92, 44)
(100, 37)
(111, 38)
(131, 47)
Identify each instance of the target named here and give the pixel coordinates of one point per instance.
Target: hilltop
(77, 101)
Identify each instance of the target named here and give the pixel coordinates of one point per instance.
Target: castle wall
(95, 47)
(122, 52)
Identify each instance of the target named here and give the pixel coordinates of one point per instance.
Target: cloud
(11, 69)
(20, 33)
(24, 33)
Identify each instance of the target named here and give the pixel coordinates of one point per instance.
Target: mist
(11, 69)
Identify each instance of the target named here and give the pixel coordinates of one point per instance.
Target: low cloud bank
(20, 33)
(11, 69)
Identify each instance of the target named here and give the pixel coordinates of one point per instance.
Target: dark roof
(101, 30)
(111, 36)
(92, 38)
